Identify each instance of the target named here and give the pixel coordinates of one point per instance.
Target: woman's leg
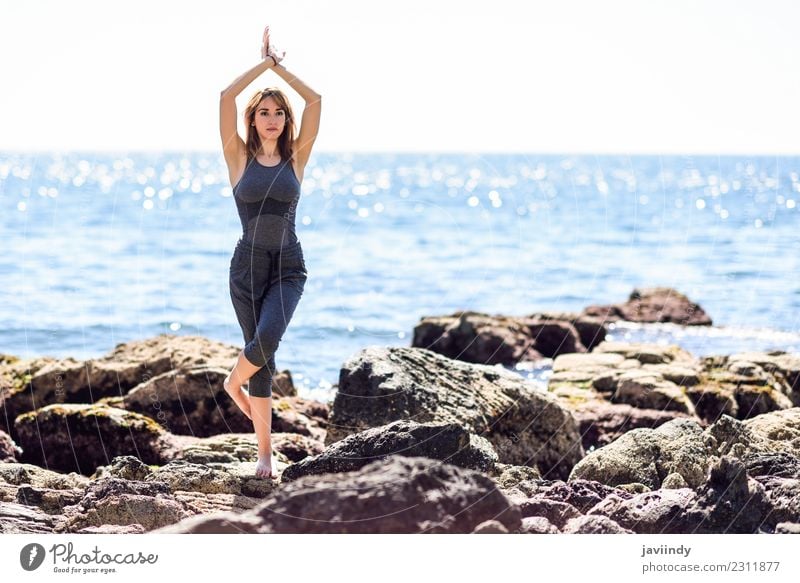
(247, 307)
(277, 310)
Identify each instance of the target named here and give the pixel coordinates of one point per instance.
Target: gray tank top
(266, 199)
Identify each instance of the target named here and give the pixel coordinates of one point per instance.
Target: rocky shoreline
(434, 437)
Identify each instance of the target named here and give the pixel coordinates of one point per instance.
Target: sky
(572, 76)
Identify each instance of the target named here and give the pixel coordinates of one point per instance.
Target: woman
(267, 271)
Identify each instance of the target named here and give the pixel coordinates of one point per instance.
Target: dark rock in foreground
(448, 442)
(393, 495)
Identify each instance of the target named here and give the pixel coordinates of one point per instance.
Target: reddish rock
(656, 304)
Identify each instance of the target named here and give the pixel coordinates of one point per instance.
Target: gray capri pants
(265, 285)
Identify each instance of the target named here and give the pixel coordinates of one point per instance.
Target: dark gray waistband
(290, 250)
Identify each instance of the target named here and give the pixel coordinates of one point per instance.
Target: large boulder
(496, 339)
(30, 384)
(448, 442)
(396, 494)
(727, 502)
(189, 402)
(79, 438)
(525, 425)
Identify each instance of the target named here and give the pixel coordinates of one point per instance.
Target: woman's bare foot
(238, 395)
(266, 467)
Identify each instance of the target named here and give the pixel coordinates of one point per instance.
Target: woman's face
(270, 119)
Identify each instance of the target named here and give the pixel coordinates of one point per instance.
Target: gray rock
(115, 501)
(9, 451)
(526, 426)
(79, 438)
(476, 337)
(728, 502)
(580, 494)
(490, 527)
(594, 524)
(22, 519)
(649, 390)
(448, 442)
(557, 513)
(647, 456)
(396, 494)
(537, 525)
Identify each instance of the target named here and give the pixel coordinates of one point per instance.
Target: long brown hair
(287, 137)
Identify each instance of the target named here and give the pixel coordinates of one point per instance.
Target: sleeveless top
(266, 199)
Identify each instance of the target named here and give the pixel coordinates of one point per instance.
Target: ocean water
(103, 248)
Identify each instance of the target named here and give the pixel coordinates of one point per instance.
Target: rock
(218, 523)
(582, 495)
(113, 529)
(593, 362)
(476, 337)
(115, 501)
(221, 485)
(711, 401)
(553, 337)
(126, 467)
(728, 503)
(126, 366)
(19, 474)
(674, 481)
(79, 438)
(189, 402)
(186, 476)
(226, 448)
(493, 339)
(315, 411)
(591, 330)
(650, 353)
(740, 388)
(648, 390)
(21, 519)
(49, 500)
(657, 512)
(448, 442)
(784, 498)
(781, 465)
(783, 367)
(9, 451)
(775, 432)
(526, 426)
(655, 304)
(490, 527)
(557, 513)
(779, 427)
(648, 455)
(508, 476)
(537, 525)
(396, 494)
(601, 423)
(296, 447)
(293, 415)
(594, 524)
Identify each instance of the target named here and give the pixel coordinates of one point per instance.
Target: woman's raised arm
(246, 78)
(309, 124)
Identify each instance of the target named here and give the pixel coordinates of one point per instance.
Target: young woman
(267, 270)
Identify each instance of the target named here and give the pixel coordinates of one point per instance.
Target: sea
(101, 248)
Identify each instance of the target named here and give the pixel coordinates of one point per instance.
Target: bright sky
(609, 76)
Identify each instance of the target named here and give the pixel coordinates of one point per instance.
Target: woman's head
(269, 109)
